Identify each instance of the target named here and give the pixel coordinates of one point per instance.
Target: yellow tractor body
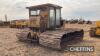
(19, 24)
(95, 31)
(97, 27)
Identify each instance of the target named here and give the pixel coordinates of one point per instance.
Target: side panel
(34, 21)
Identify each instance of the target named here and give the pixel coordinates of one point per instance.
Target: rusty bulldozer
(46, 29)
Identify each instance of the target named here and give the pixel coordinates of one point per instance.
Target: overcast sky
(87, 9)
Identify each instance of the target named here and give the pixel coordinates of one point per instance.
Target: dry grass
(10, 46)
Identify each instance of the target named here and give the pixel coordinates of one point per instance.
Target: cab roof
(43, 6)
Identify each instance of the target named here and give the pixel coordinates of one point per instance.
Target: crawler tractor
(45, 27)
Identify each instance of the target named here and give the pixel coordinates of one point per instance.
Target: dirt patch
(10, 46)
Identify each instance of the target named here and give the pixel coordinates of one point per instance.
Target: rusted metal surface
(34, 21)
(22, 35)
(55, 39)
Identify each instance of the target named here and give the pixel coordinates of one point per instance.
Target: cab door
(43, 20)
